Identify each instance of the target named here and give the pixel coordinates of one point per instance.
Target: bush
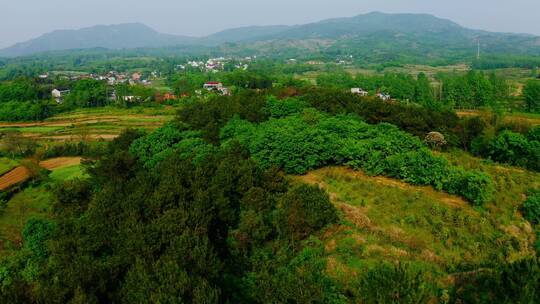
(512, 148)
(477, 187)
(304, 210)
(418, 168)
(389, 283)
(517, 282)
(282, 108)
(311, 140)
(531, 208)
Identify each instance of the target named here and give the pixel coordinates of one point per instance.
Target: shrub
(304, 210)
(516, 282)
(512, 148)
(531, 208)
(477, 187)
(534, 134)
(418, 168)
(310, 140)
(282, 108)
(509, 147)
(389, 283)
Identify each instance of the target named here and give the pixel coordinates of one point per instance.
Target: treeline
(471, 90)
(507, 61)
(483, 136)
(30, 99)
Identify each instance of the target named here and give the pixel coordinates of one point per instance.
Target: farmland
(91, 124)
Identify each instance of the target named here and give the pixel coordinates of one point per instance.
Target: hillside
(122, 36)
(394, 35)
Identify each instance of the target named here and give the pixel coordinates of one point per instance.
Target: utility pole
(478, 53)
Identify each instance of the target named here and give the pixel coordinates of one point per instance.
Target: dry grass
(385, 219)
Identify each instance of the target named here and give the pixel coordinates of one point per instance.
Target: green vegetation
(531, 92)
(68, 173)
(310, 140)
(291, 189)
(7, 165)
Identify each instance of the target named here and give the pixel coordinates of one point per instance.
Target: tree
(531, 92)
(88, 93)
(531, 208)
(423, 93)
(304, 210)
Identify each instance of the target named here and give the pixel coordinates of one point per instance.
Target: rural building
(58, 95)
(383, 96)
(217, 87)
(131, 98)
(359, 91)
(213, 86)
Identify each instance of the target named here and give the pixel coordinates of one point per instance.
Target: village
(150, 79)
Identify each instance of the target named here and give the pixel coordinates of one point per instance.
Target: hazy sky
(21, 20)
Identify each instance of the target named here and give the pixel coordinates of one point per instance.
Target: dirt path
(20, 174)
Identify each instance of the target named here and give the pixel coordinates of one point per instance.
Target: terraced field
(20, 174)
(92, 124)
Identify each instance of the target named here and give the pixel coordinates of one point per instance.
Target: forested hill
(122, 36)
(389, 36)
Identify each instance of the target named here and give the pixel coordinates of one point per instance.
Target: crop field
(527, 118)
(92, 124)
(20, 174)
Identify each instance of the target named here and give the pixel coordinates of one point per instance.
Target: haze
(25, 19)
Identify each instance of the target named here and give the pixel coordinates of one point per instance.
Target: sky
(21, 20)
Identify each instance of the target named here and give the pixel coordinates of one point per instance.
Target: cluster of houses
(217, 87)
(216, 64)
(114, 78)
(111, 77)
(363, 93)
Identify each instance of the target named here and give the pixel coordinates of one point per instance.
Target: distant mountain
(122, 36)
(245, 34)
(380, 35)
(370, 23)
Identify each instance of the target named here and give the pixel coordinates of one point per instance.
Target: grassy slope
(384, 219)
(7, 165)
(30, 203)
(68, 173)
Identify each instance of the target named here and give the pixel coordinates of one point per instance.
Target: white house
(59, 95)
(217, 87)
(213, 86)
(131, 98)
(359, 91)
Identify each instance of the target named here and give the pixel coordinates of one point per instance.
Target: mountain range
(403, 31)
